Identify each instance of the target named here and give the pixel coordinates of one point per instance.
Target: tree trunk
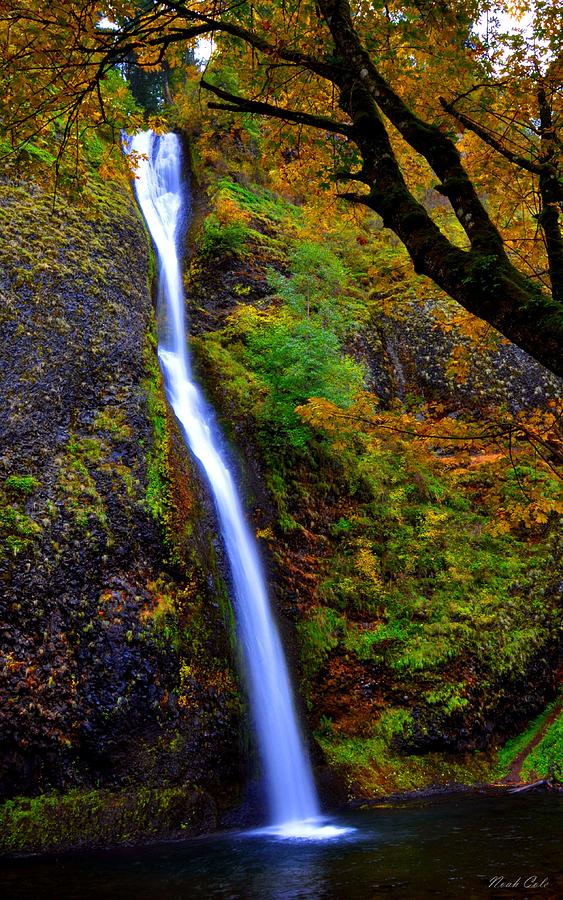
(481, 279)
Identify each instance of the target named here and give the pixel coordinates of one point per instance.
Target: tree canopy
(403, 95)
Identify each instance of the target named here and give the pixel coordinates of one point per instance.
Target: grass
(545, 760)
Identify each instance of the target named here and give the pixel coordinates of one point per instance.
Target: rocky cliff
(116, 665)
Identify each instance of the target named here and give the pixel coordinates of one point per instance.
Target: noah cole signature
(523, 881)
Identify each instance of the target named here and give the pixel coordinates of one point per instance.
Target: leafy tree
(389, 84)
(296, 360)
(319, 287)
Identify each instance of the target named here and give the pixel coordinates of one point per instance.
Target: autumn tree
(379, 76)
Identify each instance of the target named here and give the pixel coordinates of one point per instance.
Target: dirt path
(514, 776)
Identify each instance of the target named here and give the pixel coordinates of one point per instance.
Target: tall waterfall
(164, 202)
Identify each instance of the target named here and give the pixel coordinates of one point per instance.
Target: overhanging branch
(320, 66)
(242, 104)
(362, 75)
(488, 138)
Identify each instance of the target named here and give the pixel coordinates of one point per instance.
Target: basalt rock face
(413, 356)
(115, 666)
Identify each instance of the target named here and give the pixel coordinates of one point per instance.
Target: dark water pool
(460, 846)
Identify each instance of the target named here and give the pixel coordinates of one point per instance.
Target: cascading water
(287, 769)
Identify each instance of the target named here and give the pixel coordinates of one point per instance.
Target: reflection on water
(461, 846)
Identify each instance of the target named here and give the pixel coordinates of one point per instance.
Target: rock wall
(413, 355)
(116, 666)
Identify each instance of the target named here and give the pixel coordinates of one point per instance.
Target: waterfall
(164, 202)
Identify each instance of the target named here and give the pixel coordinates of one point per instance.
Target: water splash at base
(304, 830)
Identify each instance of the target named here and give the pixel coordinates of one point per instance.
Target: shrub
(320, 287)
(298, 360)
(224, 239)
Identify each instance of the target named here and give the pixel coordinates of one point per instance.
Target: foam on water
(304, 830)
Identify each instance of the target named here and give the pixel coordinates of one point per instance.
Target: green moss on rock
(100, 818)
(158, 492)
(21, 484)
(17, 531)
(370, 768)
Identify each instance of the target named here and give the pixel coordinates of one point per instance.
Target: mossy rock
(102, 818)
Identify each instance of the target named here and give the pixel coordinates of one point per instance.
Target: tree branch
(353, 176)
(488, 138)
(242, 104)
(439, 151)
(321, 67)
(551, 192)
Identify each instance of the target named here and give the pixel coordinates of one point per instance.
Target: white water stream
(164, 200)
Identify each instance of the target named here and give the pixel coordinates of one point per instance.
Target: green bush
(320, 287)
(297, 360)
(224, 239)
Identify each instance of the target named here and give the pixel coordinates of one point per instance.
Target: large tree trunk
(482, 279)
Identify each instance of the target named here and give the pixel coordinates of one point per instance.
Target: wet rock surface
(99, 686)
